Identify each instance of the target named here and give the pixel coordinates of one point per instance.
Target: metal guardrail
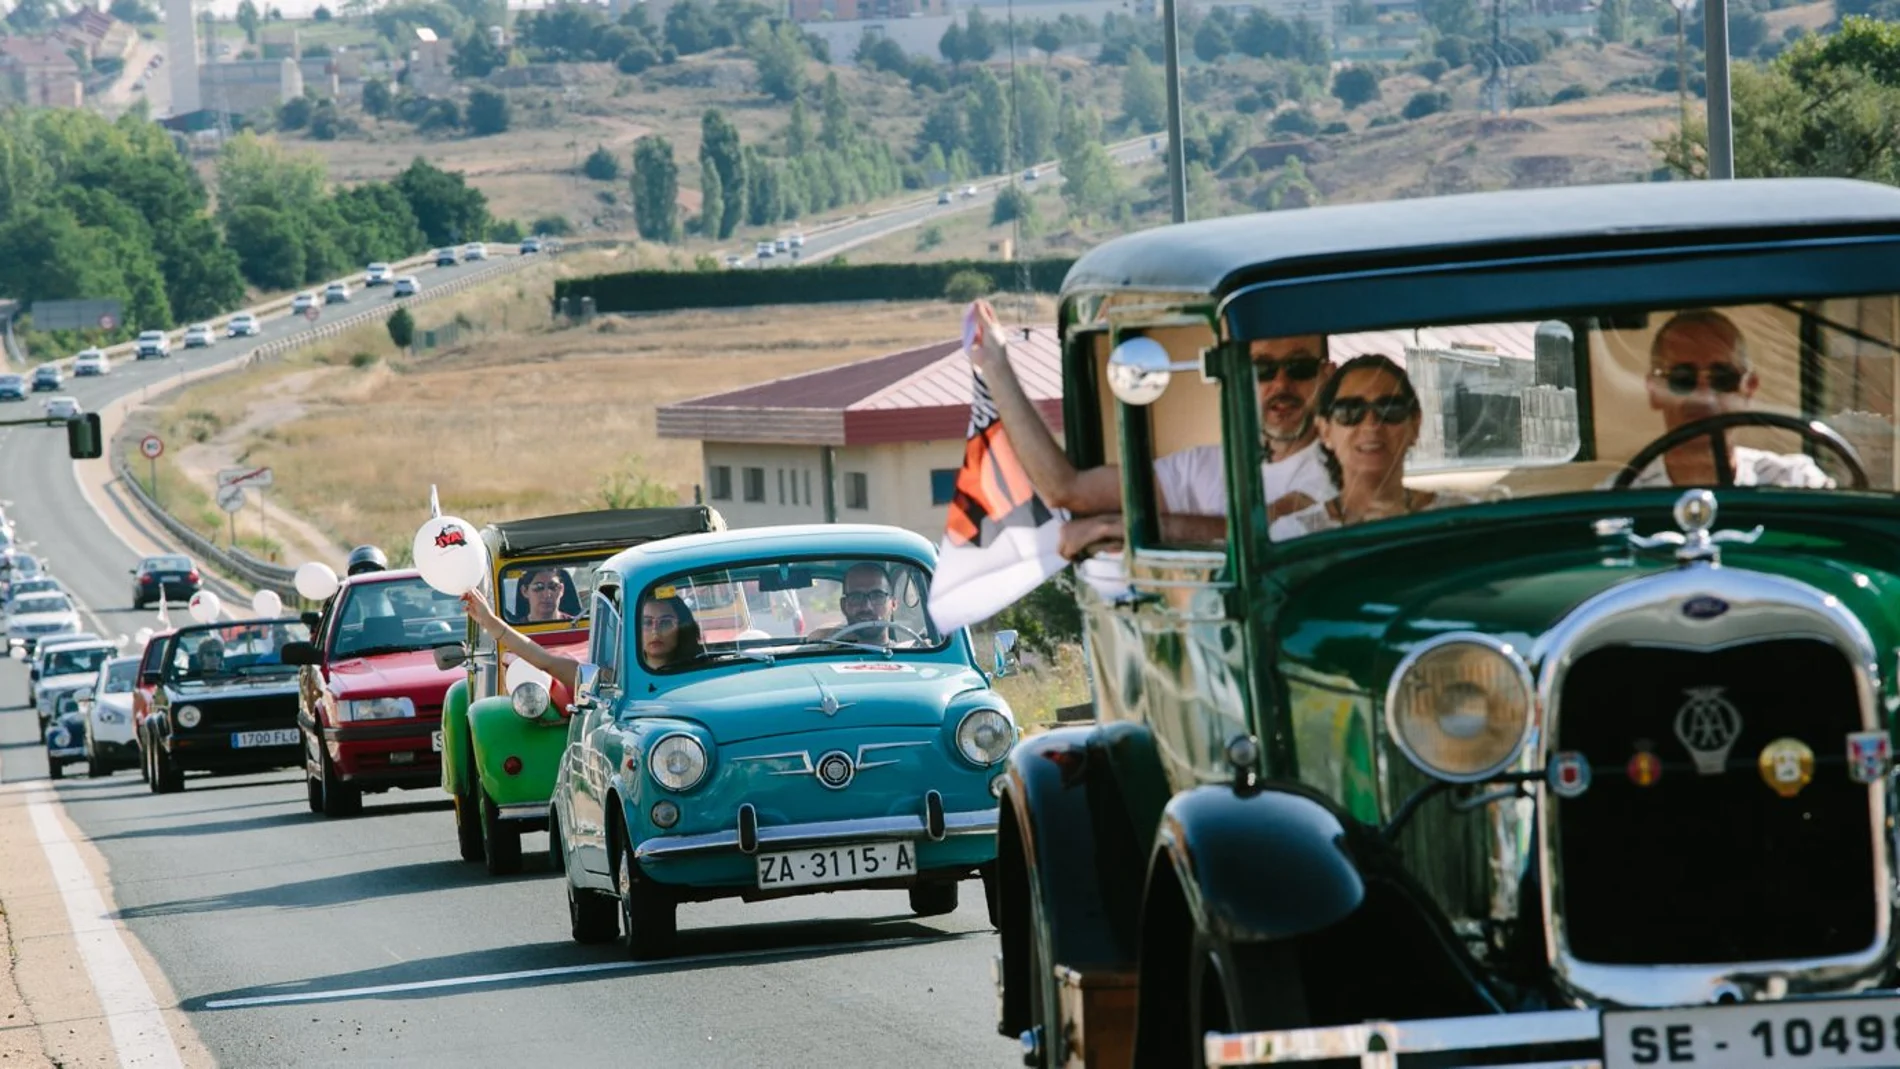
(263, 575)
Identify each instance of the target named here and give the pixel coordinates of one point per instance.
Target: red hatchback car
(145, 688)
(370, 694)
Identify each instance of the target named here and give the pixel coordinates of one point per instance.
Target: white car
(108, 708)
(92, 362)
(64, 666)
(735, 260)
(200, 335)
(968, 192)
(474, 250)
(244, 324)
(765, 250)
(445, 258)
(63, 407)
(781, 245)
(21, 588)
(376, 275)
(336, 293)
(303, 302)
(1031, 175)
(152, 343)
(32, 620)
(406, 286)
(797, 241)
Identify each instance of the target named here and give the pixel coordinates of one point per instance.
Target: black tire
(145, 762)
(501, 839)
(1240, 988)
(339, 798)
(992, 895)
(313, 792)
(468, 823)
(55, 769)
(97, 769)
(649, 918)
(592, 917)
(933, 899)
(167, 778)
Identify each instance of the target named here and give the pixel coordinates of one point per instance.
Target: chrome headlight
(375, 709)
(677, 762)
(530, 700)
(1460, 706)
(984, 736)
(61, 738)
(188, 716)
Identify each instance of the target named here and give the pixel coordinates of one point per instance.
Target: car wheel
(145, 764)
(501, 839)
(313, 791)
(649, 918)
(97, 769)
(339, 798)
(167, 777)
(468, 820)
(592, 917)
(1250, 987)
(55, 770)
(992, 894)
(933, 899)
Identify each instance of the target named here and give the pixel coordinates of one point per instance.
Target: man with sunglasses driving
(1191, 485)
(1698, 368)
(866, 601)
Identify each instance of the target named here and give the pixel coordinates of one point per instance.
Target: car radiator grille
(1711, 869)
(247, 714)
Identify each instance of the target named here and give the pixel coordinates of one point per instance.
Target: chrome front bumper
(1378, 1044)
(794, 836)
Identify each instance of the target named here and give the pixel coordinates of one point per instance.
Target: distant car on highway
(226, 702)
(63, 407)
(968, 192)
(797, 241)
(530, 245)
(91, 362)
(735, 260)
(1032, 174)
(152, 343)
(765, 250)
(406, 286)
(171, 575)
(304, 301)
(199, 336)
(336, 293)
(108, 710)
(377, 275)
(445, 258)
(31, 620)
(63, 731)
(781, 245)
(13, 388)
(47, 377)
(66, 666)
(943, 196)
(244, 324)
(474, 250)
(21, 588)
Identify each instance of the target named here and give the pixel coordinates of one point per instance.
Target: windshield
(44, 603)
(1372, 425)
(70, 662)
(121, 675)
(166, 564)
(786, 607)
(226, 652)
(548, 591)
(33, 586)
(393, 616)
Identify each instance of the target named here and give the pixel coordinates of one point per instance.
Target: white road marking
(138, 1029)
(568, 970)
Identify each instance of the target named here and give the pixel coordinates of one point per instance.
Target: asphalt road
(269, 922)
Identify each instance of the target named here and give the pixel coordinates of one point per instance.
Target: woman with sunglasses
(669, 636)
(1368, 420)
(540, 596)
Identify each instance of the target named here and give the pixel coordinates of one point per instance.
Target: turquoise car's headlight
(677, 762)
(985, 736)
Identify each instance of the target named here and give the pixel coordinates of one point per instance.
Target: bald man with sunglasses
(1191, 485)
(1698, 368)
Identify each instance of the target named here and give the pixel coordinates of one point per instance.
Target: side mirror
(311, 620)
(450, 656)
(85, 440)
(1140, 369)
(1008, 659)
(148, 679)
(586, 685)
(301, 653)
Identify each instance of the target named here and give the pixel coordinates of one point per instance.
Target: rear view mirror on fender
(450, 656)
(301, 653)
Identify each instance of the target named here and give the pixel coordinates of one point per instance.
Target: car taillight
(147, 579)
(512, 766)
(191, 576)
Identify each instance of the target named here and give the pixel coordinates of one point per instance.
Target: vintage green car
(1550, 721)
(497, 765)
(712, 758)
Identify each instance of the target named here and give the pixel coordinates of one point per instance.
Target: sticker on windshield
(872, 668)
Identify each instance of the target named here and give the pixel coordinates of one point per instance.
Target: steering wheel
(863, 625)
(1716, 428)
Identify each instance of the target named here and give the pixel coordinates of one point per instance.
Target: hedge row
(657, 291)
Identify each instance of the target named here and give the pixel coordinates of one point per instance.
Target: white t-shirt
(1753, 467)
(1318, 518)
(1193, 483)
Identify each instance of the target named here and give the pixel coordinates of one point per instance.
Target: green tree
(1613, 20)
(943, 128)
(1211, 41)
(1144, 96)
(719, 150)
(1047, 38)
(712, 200)
(376, 97)
(988, 122)
(1355, 86)
(835, 130)
(402, 328)
(655, 188)
(1451, 18)
(1090, 183)
(247, 19)
(798, 131)
(950, 45)
(779, 54)
(269, 246)
(488, 113)
(1037, 116)
(474, 56)
(295, 113)
(448, 209)
(601, 165)
(979, 37)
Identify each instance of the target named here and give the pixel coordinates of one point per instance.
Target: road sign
(151, 447)
(230, 498)
(108, 321)
(244, 477)
(311, 313)
(74, 315)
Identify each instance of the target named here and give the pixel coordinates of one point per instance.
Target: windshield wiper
(371, 651)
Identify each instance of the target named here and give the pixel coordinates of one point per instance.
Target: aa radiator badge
(1568, 774)
(1787, 765)
(1869, 756)
(1708, 725)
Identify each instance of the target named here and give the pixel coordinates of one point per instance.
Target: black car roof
(600, 529)
(1216, 256)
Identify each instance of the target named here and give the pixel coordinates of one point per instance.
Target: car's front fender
(1258, 865)
(496, 734)
(455, 741)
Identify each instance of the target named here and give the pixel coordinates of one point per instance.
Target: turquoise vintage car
(714, 755)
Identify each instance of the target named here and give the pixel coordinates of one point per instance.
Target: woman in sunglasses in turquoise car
(1368, 418)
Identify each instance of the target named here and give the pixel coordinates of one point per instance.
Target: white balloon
(267, 603)
(204, 606)
(520, 671)
(449, 553)
(142, 636)
(316, 581)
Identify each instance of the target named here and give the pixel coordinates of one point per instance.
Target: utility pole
(1177, 167)
(1721, 123)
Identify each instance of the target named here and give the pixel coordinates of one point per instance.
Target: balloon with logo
(449, 553)
(520, 671)
(316, 581)
(204, 606)
(267, 603)
(142, 636)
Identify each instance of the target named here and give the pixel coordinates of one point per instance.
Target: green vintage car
(710, 757)
(497, 764)
(1551, 722)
